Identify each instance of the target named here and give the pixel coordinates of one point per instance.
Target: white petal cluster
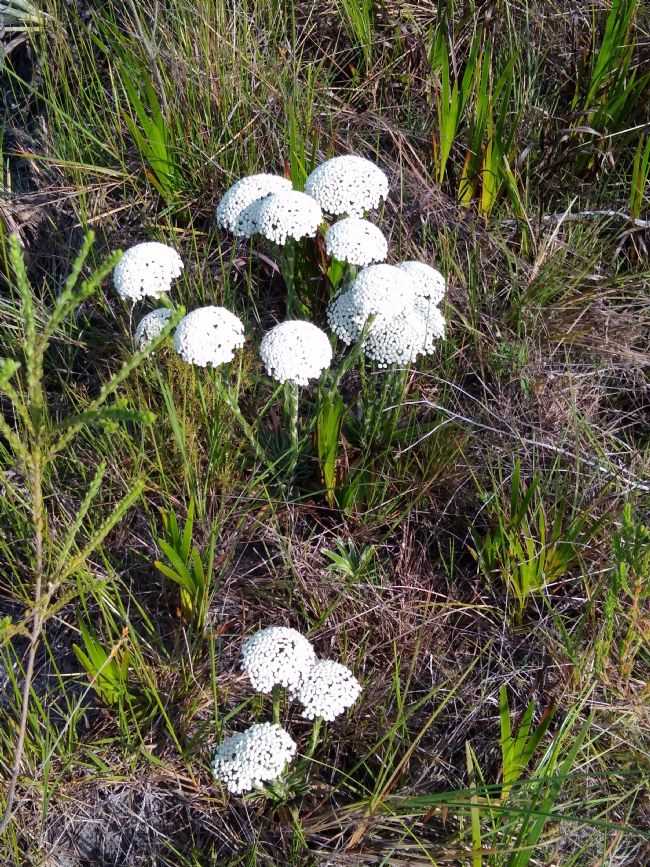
(434, 324)
(328, 690)
(150, 326)
(295, 351)
(402, 339)
(408, 322)
(284, 215)
(208, 336)
(146, 269)
(277, 655)
(356, 241)
(248, 759)
(234, 211)
(427, 282)
(380, 290)
(343, 319)
(347, 185)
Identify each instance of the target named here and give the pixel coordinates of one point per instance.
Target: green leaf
(531, 831)
(186, 543)
(70, 536)
(177, 562)
(8, 368)
(98, 537)
(186, 584)
(328, 433)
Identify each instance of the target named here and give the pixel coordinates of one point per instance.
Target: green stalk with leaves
(36, 436)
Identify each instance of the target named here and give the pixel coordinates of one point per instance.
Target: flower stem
(288, 268)
(276, 695)
(291, 401)
(231, 401)
(313, 741)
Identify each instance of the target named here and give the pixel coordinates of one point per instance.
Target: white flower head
(433, 324)
(278, 656)
(328, 690)
(150, 326)
(234, 211)
(247, 760)
(427, 282)
(403, 338)
(146, 269)
(356, 241)
(383, 291)
(347, 185)
(343, 319)
(208, 336)
(295, 351)
(284, 215)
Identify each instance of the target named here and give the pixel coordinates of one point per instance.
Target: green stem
(231, 401)
(166, 301)
(313, 741)
(288, 268)
(276, 695)
(291, 402)
(292, 266)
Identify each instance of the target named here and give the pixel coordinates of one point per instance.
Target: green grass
(469, 536)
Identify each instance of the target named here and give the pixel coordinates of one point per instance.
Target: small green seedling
(518, 747)
(186, 566)
(533, 541)
(108, 670)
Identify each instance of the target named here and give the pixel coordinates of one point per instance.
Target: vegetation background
(470, 536)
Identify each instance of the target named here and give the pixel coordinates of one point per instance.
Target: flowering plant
(276, 659)
(322, 237)
(389, 311)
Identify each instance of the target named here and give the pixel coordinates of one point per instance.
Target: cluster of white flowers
(402, 339)
(267, 205)
(296, 352)
(403, 300)
(328, 690)
(150, 326)
(347, 185)
(427, 282)
(277, 656)
(146, 269)
(209, 336)
(280, 656)
(356, 241)
(383, 291)
(236, 211)
(285, 215)
(246, 760)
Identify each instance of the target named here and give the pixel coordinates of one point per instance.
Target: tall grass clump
(358, 18)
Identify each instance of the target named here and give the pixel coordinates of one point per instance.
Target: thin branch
(578, 216)
(37, 626)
